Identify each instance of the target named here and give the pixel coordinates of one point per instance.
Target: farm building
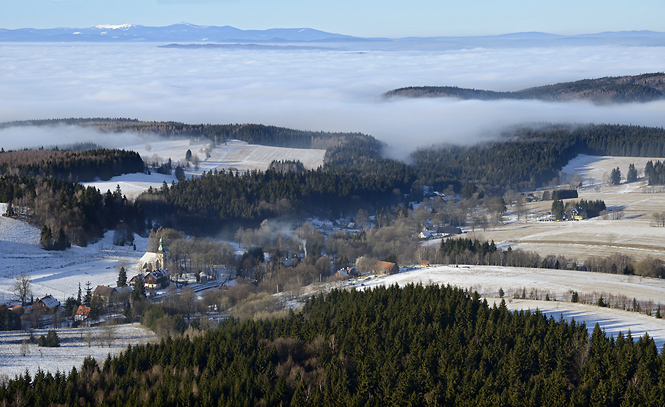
(448, 230)
(384, 267)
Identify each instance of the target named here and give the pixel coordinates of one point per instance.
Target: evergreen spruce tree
(46, 237)
(63, 241)
(139, 290)
(632, 173)
(615, 176)
(557, 209)
(87, 300)
(127, 311)
(122, 277)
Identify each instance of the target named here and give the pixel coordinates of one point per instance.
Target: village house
(439, 232)
(577, 214)
(82, 313)
(106, 294)
(135, 279)
(425, 234)
(156, 279)
(444, 231)
(48, 303)
(344, 273)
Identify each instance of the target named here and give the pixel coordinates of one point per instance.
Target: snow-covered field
(55, 272)
(596, 170)
(488, 279)
(17, 353)
(234, 154)
(633, 232)
(132, 185)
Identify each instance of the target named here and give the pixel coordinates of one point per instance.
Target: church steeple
(160, 261)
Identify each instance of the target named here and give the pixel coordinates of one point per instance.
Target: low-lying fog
(313, 90)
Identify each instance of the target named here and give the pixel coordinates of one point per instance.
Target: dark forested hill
(414, 346)
(79, 166)
(527, 157)
(618, 89)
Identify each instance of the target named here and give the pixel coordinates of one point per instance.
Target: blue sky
(369, 18)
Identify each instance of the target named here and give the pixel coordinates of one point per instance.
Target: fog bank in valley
(310, 90)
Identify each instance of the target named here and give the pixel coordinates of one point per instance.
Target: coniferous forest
(78, 214)
(389, 346)
(72, 165)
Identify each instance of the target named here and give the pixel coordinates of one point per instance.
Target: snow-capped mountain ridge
(115, 27)
(190, 33)
(181, 32)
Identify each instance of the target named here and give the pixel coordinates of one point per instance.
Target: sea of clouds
(310, 90)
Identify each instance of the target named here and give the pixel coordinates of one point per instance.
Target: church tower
(160, 258)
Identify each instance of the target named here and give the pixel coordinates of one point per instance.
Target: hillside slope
(617, 89)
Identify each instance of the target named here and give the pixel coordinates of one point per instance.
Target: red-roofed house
(384, 267)
(82, 313)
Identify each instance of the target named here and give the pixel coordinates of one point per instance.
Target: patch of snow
(596, 170)
(59, 272)
(132, 185)
(74, 347)
(612, 321)
(114, 27)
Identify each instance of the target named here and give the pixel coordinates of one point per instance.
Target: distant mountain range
(177, 32)
(617, 89)
(189, 33)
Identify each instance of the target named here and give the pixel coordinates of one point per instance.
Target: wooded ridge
(618, 89)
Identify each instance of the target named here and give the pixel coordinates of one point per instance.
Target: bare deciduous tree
(89, 336)
(108, 336)
(25, 348)
(22, 288)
